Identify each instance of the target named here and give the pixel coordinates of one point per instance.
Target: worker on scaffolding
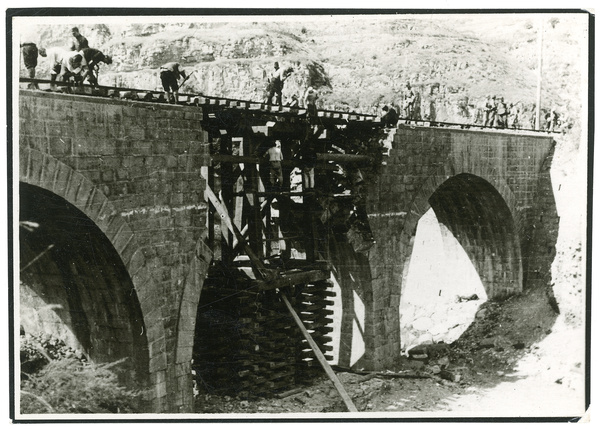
(308, 158)
(275, 171)
(169, 76)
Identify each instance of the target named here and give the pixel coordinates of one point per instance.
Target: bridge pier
(480, 186)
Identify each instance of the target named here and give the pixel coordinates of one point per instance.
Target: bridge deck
(213, 104)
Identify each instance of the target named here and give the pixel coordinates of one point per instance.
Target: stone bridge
(117, 189)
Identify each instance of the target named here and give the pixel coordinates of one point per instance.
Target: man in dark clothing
(30, 58)
(308, 156)
(169, 75)
(390, 117)
(293, 102)
(80, 42)
(93, 58)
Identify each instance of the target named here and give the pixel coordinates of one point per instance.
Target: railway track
(212, 103)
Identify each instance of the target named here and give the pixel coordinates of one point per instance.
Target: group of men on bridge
(500, 115)
(79, 62)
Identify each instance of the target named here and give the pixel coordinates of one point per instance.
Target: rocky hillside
(453, 61)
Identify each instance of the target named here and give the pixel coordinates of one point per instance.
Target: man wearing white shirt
(278, 76)
(275, 157)
(64, 64)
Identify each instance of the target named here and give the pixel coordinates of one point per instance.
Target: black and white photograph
(248, 215)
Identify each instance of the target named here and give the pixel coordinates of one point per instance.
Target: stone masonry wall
(134, 169)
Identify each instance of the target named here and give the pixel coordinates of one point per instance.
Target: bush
(62, 382)
(37, 350)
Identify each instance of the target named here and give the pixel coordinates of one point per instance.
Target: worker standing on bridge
(532, 117)
(169, 75)
(390, 117)
(30, 53)
(513, 116)
(490, 111)
(502, 114)
(409, 102)
(278, 76)
(275, 158)
(64, 64)
(93, 58)
(79, 42)
(310, 102)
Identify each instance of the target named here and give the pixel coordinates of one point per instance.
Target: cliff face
(355, 63)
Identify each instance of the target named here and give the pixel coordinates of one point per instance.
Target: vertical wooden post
(210, 181)
(253, 206)
(227, 197)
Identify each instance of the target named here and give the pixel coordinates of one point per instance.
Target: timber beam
(335, 157)
(292, 278)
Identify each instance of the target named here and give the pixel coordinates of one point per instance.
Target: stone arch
(486, 180)
(50, 174)
(74, 285)
(53, 181)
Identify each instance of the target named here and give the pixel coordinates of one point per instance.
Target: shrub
(62, 382)
(38, 349)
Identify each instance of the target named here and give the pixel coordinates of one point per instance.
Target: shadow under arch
(74, 282)
(481, 221)
(491, 236)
